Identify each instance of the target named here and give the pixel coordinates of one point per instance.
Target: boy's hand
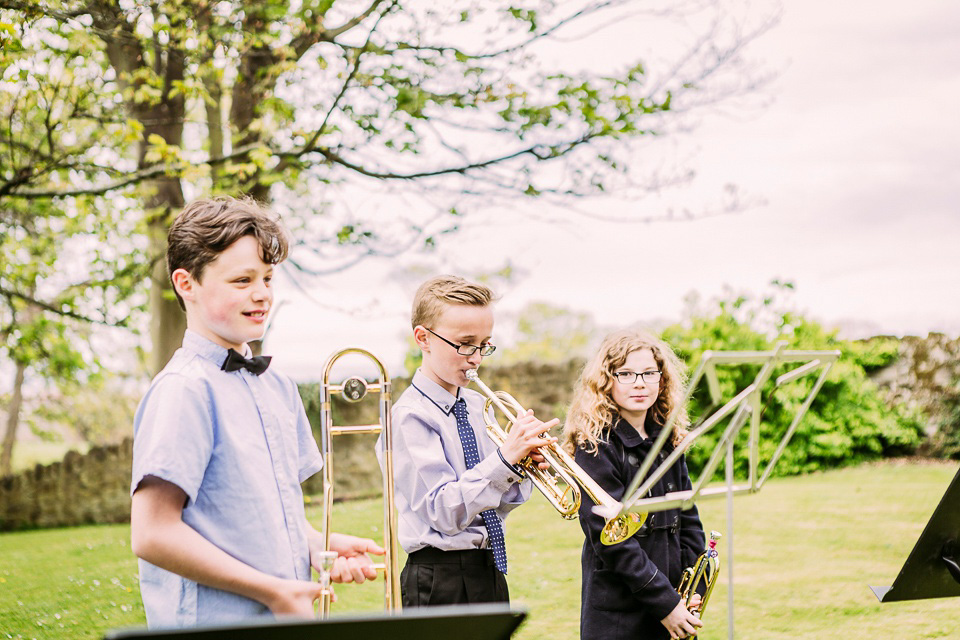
(294, 597)
(353, 563)
(525, 437)
(680, 622)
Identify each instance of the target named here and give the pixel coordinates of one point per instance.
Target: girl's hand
(681, 623)
(695, 602)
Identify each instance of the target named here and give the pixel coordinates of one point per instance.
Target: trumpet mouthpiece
(472, 375)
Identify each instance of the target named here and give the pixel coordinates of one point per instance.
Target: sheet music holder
(933, 568)
(474, 622)
(743, 411)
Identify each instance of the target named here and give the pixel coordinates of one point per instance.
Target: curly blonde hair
(593, 411)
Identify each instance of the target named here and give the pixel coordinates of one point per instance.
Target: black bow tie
(255, 365)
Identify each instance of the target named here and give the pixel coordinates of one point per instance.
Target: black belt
(463, 557)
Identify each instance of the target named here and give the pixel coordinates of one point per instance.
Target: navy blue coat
(629, 587)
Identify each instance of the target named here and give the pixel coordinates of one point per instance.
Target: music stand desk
(475, 622)
(933, 568)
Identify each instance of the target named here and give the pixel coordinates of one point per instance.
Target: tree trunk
(167, 319)
(13, 421)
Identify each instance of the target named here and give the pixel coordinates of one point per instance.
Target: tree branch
(62, 312)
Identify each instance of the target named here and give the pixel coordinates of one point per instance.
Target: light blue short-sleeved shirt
(238, 445)
(438, 499)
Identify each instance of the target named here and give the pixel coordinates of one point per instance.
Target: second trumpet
(562, 481)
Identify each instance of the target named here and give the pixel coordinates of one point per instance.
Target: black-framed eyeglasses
(629, 377)
(466, 349)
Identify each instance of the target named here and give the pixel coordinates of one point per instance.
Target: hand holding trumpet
(680, 623)
(526, 436)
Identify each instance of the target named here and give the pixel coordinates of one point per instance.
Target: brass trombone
(562, 469)
(354, 389)
(705, 570)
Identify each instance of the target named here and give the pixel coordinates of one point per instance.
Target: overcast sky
(856, 160)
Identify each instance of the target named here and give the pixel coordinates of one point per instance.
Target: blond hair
(593, 412)
(432, 295)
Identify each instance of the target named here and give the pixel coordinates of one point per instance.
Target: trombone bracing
(562, 469)
(354, 389)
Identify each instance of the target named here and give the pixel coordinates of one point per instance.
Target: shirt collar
(629, 436)
(206, 348)
(434, 392)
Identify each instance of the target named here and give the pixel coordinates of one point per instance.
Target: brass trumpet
(562, 470)
(705, 570)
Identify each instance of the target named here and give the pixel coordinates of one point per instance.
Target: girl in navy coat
(623, 398)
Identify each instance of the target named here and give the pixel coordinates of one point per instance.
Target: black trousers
(433, 577)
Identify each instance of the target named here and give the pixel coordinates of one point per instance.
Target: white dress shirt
(438, 500)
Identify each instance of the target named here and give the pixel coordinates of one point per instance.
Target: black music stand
(474, 622)
(933, 568)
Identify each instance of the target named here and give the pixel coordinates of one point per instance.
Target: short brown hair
(429, 299)
(206, 228)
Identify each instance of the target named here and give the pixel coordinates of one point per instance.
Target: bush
(848, 421)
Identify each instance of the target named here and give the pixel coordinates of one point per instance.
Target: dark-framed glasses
(466, 349)
(629, 377)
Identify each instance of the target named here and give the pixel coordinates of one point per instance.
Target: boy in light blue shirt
(222, 442)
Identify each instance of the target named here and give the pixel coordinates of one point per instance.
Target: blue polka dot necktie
(471, 456)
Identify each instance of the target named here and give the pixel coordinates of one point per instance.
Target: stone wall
(94, 488)
(927, 369)
(80, 489)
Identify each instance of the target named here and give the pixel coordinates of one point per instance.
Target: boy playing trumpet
(454, 486)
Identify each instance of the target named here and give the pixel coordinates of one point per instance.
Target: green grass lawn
(805, 550)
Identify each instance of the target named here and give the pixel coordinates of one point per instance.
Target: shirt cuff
(517, 469)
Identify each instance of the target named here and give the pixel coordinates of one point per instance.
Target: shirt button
(446, 407)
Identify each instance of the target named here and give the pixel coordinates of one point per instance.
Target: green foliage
(848, 421)
(100, 410)
(547, 333)
(320, 96)
(66, 265)
(875, 353)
